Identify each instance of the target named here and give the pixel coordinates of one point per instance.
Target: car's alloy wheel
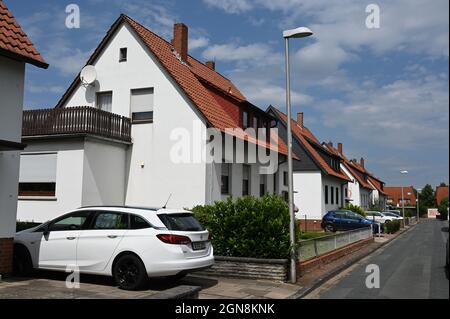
(129, 273)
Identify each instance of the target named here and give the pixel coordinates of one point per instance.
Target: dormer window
(123, 55)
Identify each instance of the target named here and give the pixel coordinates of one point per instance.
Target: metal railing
(76, 120)
(312, 248)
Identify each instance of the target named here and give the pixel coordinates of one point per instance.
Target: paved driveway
(50, 285)
(412, 267)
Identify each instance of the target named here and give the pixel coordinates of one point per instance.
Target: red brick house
(395, 198)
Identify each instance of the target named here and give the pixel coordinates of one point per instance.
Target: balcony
(74, 121)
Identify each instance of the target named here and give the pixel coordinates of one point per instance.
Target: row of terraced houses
(109, 143)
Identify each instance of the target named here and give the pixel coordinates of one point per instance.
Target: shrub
(355, 209)
(443, 209)
(248, 227)
(391, 227)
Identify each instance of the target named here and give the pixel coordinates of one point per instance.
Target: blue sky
(382, 92)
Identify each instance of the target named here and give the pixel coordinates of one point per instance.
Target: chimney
(300, 119)
(362, 162)
(330, 143)
(340, 148)
(180, 40)
(211, 65)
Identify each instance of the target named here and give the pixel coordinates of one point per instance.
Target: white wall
(335, 183)
(308, 194)
(11, 104)
(104, 166)
(151, 184)
(353, 188)
(69, 181)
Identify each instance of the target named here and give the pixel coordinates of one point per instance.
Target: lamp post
(301, 32)
(419, 190)
(403, 198)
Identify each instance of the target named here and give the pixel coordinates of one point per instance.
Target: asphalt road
(410, 267)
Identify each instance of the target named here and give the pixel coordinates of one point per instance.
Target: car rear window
(181, 222)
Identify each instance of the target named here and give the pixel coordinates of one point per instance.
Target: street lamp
(419, 190)
(301, 32)
(403, 197)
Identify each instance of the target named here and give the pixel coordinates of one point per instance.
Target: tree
(427, 199)
(443, 208)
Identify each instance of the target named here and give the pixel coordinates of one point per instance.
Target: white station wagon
(128, 243)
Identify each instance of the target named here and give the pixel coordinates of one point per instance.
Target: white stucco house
(360, 189)
(118, 141)
(16, 50)
(319, 182)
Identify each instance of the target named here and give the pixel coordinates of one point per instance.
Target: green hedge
(391, 227)
(248, 226)
(355, 209)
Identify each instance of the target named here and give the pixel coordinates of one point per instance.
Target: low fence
(316, 247)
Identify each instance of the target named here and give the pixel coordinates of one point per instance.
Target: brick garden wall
(6, 255)
(251, 268)
(310, 225)
(314, 263)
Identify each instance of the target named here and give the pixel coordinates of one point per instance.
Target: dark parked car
(346, 220)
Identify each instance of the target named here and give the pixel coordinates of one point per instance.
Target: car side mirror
(46, 231)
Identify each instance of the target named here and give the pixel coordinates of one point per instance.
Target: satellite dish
(88, 75)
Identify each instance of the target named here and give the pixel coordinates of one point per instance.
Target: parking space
(50, 285)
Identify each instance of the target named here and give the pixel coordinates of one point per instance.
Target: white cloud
(38, 88)
(254, 53)
(197, 43)
(399, 115)
(230, 6)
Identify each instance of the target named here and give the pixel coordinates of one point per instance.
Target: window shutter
(142, 100)
(38, 168)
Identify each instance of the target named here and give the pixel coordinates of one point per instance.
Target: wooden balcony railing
(76, 120)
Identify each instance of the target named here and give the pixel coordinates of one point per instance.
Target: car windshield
(181, 222)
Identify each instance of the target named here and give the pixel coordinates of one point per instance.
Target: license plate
(199, 245)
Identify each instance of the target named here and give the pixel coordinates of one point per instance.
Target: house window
(245, 120)
(225, 179)
(262, 185)
(332, 195)
(141, 105)
(255, 124)
(104, 101)
(285, 196)
(245, 180)
(285, 178)
(337, 196)
(123, 55)
(326, 194)
(37, 174)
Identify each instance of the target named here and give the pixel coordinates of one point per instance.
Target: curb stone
(179, 292)
(321, 280)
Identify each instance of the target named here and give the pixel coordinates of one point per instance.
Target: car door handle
(112, 236)
(70, 238)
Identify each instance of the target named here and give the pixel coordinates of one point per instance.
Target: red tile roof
(395, 195)
(441, 193)
(377, 184)
(194, 78)
(353, 167)
(307, 138)
(14, 43)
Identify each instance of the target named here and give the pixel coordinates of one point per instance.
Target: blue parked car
(346, 220)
